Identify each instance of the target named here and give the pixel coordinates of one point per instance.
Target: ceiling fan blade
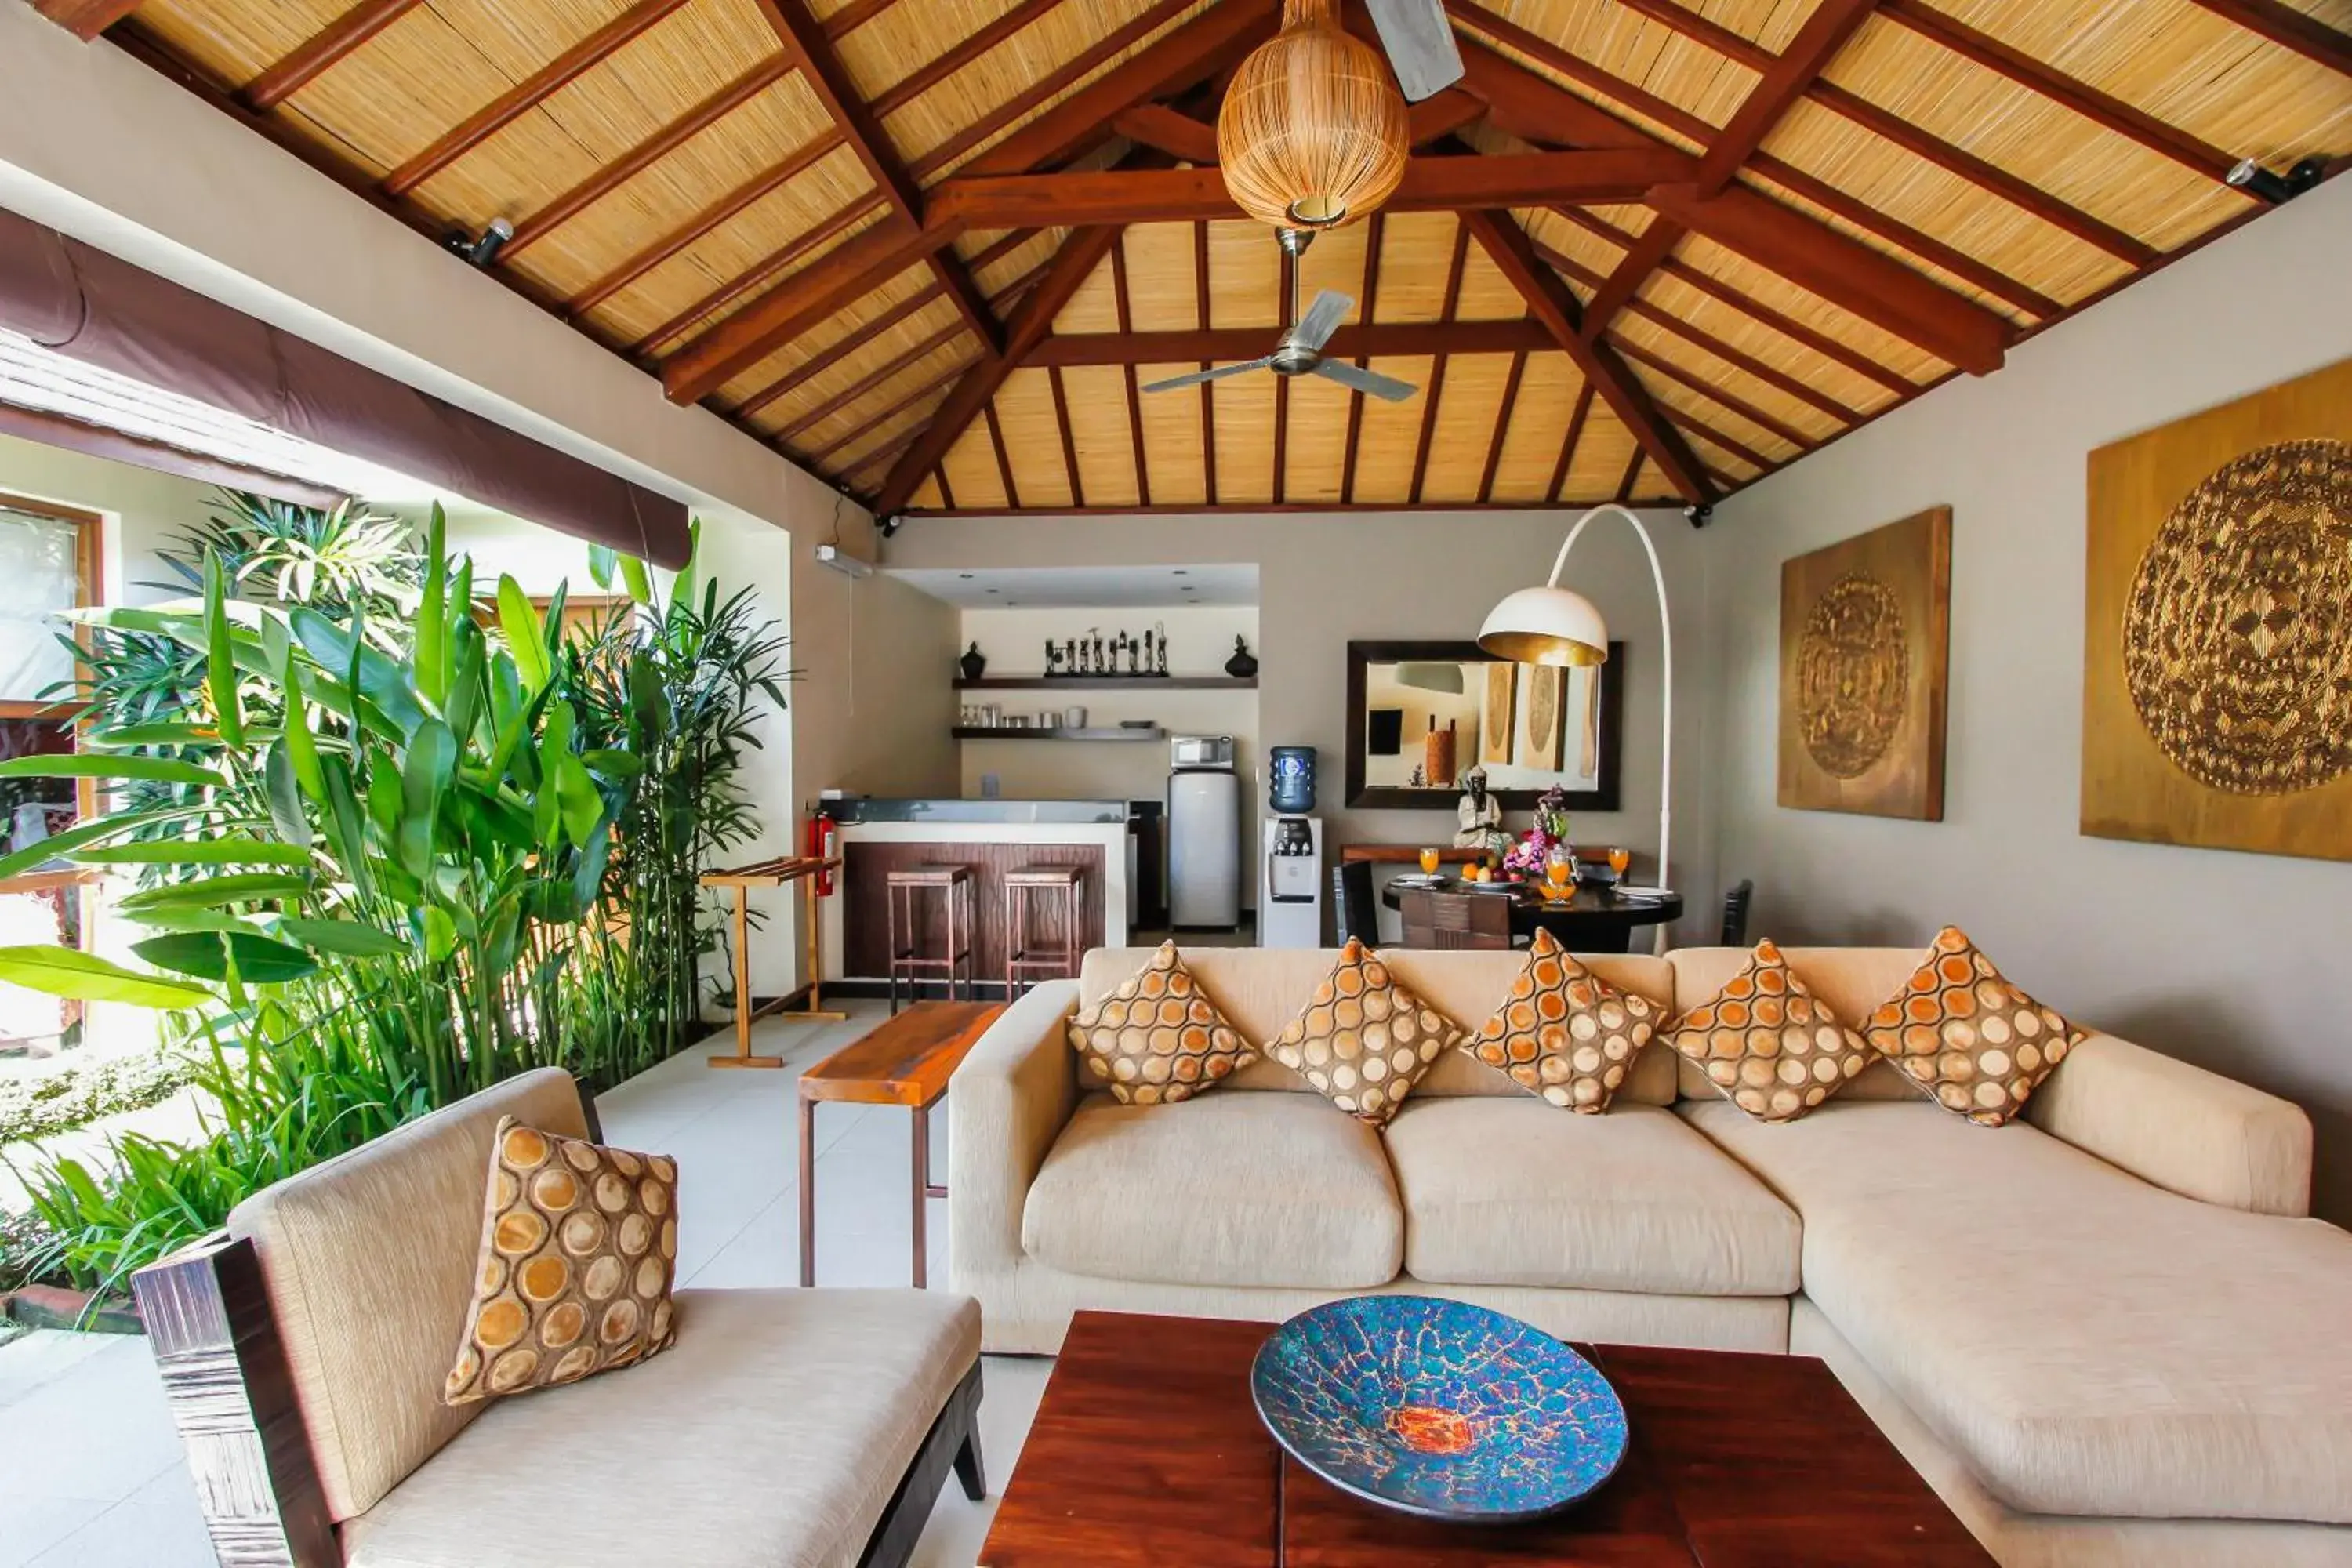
(1367, 381)
(1198, 377)
(1420, 44)
(1322, 319)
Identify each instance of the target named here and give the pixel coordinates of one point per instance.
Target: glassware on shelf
(1429, 859)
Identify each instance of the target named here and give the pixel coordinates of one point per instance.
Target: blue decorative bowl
(1438, 1408)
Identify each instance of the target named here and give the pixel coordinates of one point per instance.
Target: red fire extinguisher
(824, 843)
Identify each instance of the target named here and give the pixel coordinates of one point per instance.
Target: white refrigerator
(1204, 834)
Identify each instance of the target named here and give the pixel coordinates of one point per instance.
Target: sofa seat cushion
(2090, 1343)
(1226, 1189)
(1510, 1192)
(772, 1435)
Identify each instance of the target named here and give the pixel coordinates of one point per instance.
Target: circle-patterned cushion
(1158, 1039)
(1564, 1033)
(578, 1253)
(1363, 1040)
(1767, 1044)
(1967, 1037)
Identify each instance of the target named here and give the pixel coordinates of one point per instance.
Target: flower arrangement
(1526, 857)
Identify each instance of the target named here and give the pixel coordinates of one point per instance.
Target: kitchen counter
(991, 836)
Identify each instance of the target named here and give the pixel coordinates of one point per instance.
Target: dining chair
(1433, 919)
(1735, 913)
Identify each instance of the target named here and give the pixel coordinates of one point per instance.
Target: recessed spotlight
(965, 576)
(996, 590)
(1178, 573)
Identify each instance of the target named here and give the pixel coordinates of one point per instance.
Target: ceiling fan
(1300, 352)
(1419, 45)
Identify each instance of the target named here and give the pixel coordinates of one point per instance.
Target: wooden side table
(801, 868)
(907, 1061)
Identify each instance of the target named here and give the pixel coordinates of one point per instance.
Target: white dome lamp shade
(1557, 626)
(1546, 625)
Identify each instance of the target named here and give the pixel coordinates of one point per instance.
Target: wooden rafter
(2282, 25)
(1843, 271)
(973, 45)
(722, 211)
(1503, 412)
(1082, 251)
(1003, 458)
(320, 53)
(1633, 472)
(1772, 376)
(853, 16)
(1180, 135)
(803, 39)
(822, 233)
(1224, 344)
(1576, 418)
(1198, 194)
(1788, 78)
(527, 94)
(1043, 90)
(1712, 390)
(2101, 108)
(86, 19)
(1285, 291)
(1987, 175)
(1549, 301)
(1787, 326)
(936, 382)
(1374, 233)
(857, 389)
(1201, 316)
(1642, 257)
(1134, 392)
(610, 177)
(1069, 442)
(1436, 391)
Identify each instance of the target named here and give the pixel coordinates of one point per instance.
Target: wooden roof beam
(1355, 340)
(319, 53)
(1198, 194)
(973, 45)
(2156, 135)
(905, 401)
(527, 94)
(1134, 395)
(710, 217)
(805, 41)
(610, 177)
(1180, 135)
(1843, 271)
(2289, 28)
(825, 232)
(1218, 37)
(1081, 252)
(864, 384)
(86, 19)
(1786, 80)
(849, 272)
(1549, 301)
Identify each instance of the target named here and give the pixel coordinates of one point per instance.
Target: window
(48, 564)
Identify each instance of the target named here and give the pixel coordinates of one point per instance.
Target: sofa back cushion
(1853, 982)
(369, 1263)
(1261, 989)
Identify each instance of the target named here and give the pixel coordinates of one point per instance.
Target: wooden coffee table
(1147, 1451)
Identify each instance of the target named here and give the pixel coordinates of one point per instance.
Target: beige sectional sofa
(2106, 1333)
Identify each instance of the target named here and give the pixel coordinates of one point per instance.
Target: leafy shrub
(74, 1091)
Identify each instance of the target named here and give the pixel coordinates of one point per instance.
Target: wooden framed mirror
(1421, 715)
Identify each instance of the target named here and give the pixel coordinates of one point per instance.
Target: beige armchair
(303, 1350)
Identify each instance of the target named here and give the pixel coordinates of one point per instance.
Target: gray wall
(1326, 579)
(2235, 961)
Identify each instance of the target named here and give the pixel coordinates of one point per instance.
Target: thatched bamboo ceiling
(1649, 250)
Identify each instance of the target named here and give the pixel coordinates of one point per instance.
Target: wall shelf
(1107, 683)
(1007, 732)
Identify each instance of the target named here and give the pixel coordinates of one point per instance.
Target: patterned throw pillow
(1768, 1045)
(1967, 1037)
(1157, 1039)
(1564, 1033)
(1363, 1040)
(578, 1249)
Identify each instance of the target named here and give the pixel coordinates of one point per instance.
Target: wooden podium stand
(801, 868)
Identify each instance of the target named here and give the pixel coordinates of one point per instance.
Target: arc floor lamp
(1552, 625)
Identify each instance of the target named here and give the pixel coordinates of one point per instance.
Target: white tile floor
(104, 1483)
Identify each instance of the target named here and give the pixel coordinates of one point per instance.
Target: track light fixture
(2251, 177)
(483, 251)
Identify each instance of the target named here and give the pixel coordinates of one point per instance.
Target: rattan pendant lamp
(1313, 133)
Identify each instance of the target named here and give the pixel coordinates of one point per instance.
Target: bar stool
(954, 882)
(1064, 889)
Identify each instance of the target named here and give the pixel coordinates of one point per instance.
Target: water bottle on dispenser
(1290, 862)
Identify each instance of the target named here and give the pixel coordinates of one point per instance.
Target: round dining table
(1592, 920)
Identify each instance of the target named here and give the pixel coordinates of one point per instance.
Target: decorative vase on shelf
(1243, 665)
(972, 662)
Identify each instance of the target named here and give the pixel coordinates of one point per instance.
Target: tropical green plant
(74, 1090)
(280, 552)
(390, 878)
(672, 685)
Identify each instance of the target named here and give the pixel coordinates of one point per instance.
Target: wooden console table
(801, 868)
(907, 1061)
